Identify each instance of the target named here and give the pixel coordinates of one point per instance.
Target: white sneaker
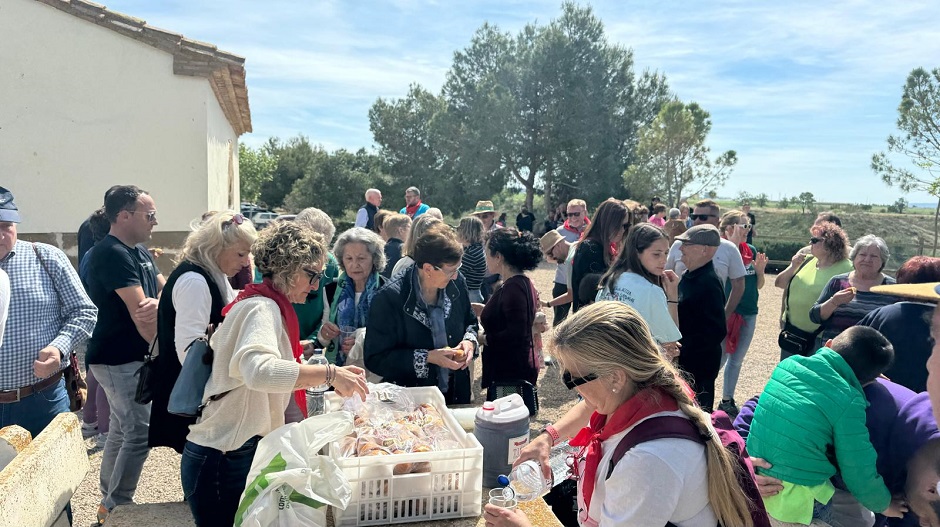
(101, 440)
(89, 430)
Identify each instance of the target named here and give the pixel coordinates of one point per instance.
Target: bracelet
(552, 433)
(672, 301)
(330, 374)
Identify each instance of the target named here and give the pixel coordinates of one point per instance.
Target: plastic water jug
(502, 427)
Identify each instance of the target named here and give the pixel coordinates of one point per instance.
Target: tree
(336, 182)
(806, 201)
(784, 203)
(294, 158)
(762, 199)
(712, 194)
(743, 197)
(919, 123)
(898, 206)
(255, 168)
(672, 158)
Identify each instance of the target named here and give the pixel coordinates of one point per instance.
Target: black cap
(8, 210)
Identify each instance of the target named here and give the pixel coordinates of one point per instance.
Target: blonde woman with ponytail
(608, 356)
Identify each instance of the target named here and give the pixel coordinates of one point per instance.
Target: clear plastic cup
(503, 497)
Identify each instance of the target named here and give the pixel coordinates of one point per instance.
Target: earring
(614, 390)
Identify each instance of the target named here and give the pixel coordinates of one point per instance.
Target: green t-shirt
(310, 313)
(748, 303)
(805, 288)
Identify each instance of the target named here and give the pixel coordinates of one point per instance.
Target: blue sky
(805, 92)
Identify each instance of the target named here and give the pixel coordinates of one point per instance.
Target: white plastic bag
(290, 483)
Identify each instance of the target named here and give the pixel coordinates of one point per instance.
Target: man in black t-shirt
(124, 283)
(746, 207)
(525, 220)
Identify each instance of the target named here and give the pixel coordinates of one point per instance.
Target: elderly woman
(829, 248)
(418, 227)
(315, 310)
(610, 358)
(598, 247)
(422, 331)
(847, 298)
(255, 371)
(361, 256)
(194, 295)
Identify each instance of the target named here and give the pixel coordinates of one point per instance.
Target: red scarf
(266, 289)
(411, 209)
(746, 253)
(587, 221)
(645, 403)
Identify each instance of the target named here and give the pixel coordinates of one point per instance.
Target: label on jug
(516, 444)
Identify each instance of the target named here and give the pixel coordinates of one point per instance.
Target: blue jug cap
(502, 480)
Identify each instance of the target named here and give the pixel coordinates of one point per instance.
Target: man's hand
(48, 363)
(147, 311)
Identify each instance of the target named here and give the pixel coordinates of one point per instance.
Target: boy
(811, 417)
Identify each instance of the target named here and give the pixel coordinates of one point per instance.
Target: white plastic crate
(452, 489)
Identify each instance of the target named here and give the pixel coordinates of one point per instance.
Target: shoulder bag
(791, 338)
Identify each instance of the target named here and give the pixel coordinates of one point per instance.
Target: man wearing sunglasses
(124, 282)
(576, 221)
(727, 260)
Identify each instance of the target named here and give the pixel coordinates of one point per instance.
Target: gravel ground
(160, 480)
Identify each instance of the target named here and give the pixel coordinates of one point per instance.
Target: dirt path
(160, 479)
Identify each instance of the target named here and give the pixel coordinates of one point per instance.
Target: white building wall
(222, 157)
(84, 108)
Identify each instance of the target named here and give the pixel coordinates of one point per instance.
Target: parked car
(262, 219)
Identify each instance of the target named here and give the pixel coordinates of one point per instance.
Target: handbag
(186, 397)
(75, 384)
(146, 376)
(791, 338)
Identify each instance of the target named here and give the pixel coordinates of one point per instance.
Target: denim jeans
(213, 481)
(732, 362)
(844, 510)
(475, 296)
(126, 448)
(37, 410)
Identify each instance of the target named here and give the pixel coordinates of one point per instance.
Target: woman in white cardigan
(256, 370)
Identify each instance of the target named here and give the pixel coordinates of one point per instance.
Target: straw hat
(550, 240)
(484, 207)
(928, 292)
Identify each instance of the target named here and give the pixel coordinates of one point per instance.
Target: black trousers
(561, 311)
(702, 364)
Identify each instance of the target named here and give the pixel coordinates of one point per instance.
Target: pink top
(656, 220)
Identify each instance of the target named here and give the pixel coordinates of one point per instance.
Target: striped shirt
(473, 266)
(44, 311)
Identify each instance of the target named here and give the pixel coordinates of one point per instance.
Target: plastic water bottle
(525, 482)
(315, 402)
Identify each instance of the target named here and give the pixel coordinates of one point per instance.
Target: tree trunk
(936, 219)
(549, 197)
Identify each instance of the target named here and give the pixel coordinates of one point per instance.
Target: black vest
(370, 210)
(167, 429)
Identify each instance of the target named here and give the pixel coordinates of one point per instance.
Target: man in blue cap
(49, 315)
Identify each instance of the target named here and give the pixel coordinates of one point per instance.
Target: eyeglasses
(151, 215)
(313, 275)
(573, 214)
(814, 240)
(745, 226)
(448, 274)
(703, 217)
(573, 382)
(237, 219)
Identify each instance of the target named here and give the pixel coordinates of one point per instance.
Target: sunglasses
(237, 219)
(703, 217)
(745, 226)
(573, 214)
(448, 274)
(151, 215)
(814, 240)
(314, 276)
(573, 382)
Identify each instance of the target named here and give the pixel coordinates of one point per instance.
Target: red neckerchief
(613, 249)
(746, 253)
(587, 221)
(645, 403)
(266, 289)
(411, 209)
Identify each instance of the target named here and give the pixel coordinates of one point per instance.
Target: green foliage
(672, 159)
(255, 168)
(781, 250)
(898, 206)
(762, 199)
(806, 201)
(784, 203)
(554, 108)
(336, 183)
(294, 158)
(743, 197)
(712, 194)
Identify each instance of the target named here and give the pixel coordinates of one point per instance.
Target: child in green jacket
(811, 420)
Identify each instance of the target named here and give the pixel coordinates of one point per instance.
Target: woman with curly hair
(509, 354)
(829, 248)
(255, 371)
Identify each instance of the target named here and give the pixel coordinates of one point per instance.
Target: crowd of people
(649, 305)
